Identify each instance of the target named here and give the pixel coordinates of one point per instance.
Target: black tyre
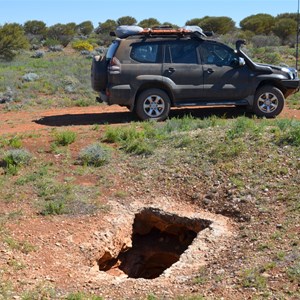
(268, 102)
(153, 104)
(99, 73)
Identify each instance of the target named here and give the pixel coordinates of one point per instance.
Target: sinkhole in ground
(158, 240)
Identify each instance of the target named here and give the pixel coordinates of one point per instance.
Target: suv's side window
(181, 52)
(217, 54)
(145, 52)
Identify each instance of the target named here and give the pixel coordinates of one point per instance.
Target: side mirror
(238, 62)
(242, 61)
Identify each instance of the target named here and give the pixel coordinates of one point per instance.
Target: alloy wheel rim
(154, 106)
(268, 103)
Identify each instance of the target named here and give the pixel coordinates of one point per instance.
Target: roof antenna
(297, 42)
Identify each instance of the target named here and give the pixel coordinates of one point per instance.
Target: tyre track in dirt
(40, 119)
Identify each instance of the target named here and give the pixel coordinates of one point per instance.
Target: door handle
(171, 70)
(209, 70)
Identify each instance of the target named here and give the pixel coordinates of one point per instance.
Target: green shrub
(253, 278)
(267, 55)
(15, 142)
(240, 126)
(294, 272)
(15, 158)
(290, 133)
(82, 45)
(138, 146)
(132, 139)
(64, 138)
(53, 208)
(94, 155)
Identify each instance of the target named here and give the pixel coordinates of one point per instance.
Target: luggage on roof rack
(125, 31)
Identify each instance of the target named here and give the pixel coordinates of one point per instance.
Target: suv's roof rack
(125, 31)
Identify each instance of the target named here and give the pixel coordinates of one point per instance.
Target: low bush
(290, 133)
(132, 139)
(94, 155)
(15, 158)
(64, 138)
(53, 208)
(82, 45)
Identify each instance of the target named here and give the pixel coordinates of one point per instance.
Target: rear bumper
(120, 95)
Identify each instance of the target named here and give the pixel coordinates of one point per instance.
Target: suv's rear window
(145, 52)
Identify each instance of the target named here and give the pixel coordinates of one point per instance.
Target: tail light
(114, 66)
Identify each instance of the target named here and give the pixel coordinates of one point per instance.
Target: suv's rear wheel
(268, 102)
(153, 104)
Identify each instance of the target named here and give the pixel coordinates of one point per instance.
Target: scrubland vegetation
(49, 66)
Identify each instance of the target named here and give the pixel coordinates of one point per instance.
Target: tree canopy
(35, 27)
(258, 24)
(148, 23)
(12, 39)
(219, 25)
(127, 20)
(85, 28)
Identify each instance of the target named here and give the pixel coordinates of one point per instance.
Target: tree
(149, 23)
(293, 16)
(170, 24)
(127, 20)
(106, 27)
(258, 24)
(63, 33)
(220, 25)
(12, 39)
(195, 21)
(284, 28)
(85, 28)
(35, 27)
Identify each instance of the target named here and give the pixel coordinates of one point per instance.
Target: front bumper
(293, 84)
(290, 86)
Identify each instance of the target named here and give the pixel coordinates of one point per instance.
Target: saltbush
(30, 77)
(94, 155)
(17, 157)
(265, 40)
(38, 54)
(70, 84)
(7, 96)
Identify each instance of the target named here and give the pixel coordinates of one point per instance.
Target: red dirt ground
(63, 256)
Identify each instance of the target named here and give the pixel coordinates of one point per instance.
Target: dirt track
(24, 121)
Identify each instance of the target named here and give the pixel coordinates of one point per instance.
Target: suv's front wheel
(153, 104)
(268, 102)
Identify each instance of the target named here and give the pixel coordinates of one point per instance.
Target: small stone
(206, 201)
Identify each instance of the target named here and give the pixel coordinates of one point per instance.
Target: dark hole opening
(158, 240)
